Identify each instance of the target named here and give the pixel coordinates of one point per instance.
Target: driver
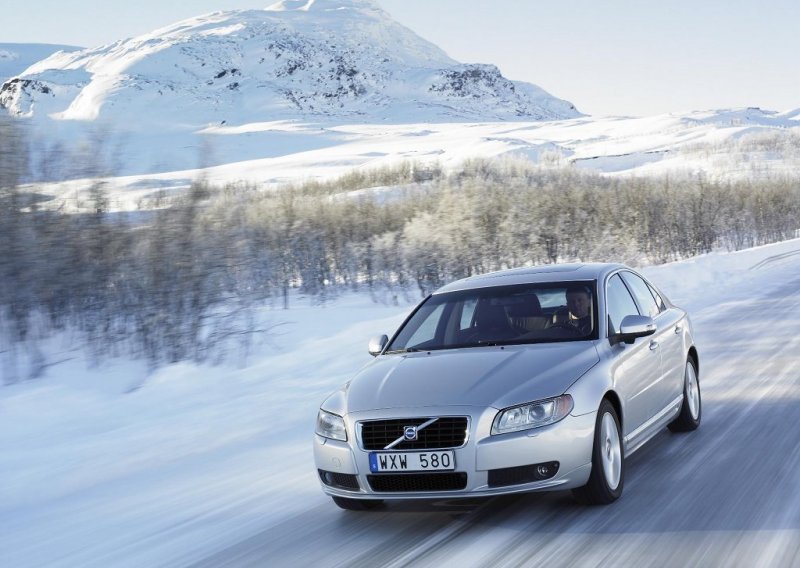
(579, 304)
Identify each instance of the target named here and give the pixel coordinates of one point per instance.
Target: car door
(635, 367)
(667, 336)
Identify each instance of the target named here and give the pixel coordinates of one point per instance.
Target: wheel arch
(615, 401)
(696, 359)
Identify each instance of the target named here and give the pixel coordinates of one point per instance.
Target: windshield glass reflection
(507, 315)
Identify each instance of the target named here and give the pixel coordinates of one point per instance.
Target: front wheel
(608, 463)
(357, 504)
(691, 409)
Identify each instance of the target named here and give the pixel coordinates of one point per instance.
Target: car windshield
(502, 315)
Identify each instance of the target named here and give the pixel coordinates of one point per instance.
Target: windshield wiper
(528, 341)
(495, 342)
(405, 350)
(481, 343)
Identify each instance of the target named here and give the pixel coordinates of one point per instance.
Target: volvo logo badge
(410, 433)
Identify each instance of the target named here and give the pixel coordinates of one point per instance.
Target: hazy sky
(635, 57)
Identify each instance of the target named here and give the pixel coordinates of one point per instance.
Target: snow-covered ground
(718, 145)
(98, 472)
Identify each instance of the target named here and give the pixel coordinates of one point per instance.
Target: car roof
(534, 274)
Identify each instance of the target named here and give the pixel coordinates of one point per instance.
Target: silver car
(532, 379)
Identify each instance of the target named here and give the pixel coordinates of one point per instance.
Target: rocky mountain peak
(309, 5)
(295, 59)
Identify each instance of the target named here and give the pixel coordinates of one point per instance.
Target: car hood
(479, 376)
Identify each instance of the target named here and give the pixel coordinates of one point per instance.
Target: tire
(357, 504)
(692, 407)
(608, 462)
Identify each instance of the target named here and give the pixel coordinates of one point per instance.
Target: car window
(662, 306)
(505, 315)
(641, 291)
(467, 312)
(552, 298)
(619, 302)
(427, 329)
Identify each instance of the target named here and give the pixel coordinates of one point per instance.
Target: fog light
(547, 470)
(522, 474)
(340, 480)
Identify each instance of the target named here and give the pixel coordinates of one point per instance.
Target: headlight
(532, 415)
(331, 426)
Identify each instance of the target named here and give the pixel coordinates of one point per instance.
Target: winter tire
(608, 462)
(692, 408)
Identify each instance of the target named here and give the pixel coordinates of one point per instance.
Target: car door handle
(678, 329)
(653, 345)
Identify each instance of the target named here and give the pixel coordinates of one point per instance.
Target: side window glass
(642, 293)
(619, 303)
(427, 329)
(662, 307)
(467, 312)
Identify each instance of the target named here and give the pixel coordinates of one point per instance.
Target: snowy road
(725, 495)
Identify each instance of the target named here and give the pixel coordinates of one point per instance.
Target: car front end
(472, 397)
(455, 455)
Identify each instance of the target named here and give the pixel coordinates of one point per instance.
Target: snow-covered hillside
(17, 57)
(718, 145)
(309, 58)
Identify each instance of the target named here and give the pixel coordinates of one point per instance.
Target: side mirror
(376, 345)
(633, 327)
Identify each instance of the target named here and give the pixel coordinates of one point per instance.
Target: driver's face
(579, 304)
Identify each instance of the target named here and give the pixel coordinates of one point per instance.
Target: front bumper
(568, 442)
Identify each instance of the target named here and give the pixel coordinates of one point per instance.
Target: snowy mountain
(17, 57)
(295, 59)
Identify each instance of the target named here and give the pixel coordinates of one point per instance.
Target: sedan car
(532, 379)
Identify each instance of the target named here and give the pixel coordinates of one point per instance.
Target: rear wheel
(357, 504)
(691, 409)
(608, 463)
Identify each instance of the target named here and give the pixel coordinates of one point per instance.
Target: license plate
(411, 461)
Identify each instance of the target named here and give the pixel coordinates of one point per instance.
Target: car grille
(417, 482)
(446, 432)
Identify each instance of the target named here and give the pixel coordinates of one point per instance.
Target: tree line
(489, 215)
(183, 281)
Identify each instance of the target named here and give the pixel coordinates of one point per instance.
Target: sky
(612, 57)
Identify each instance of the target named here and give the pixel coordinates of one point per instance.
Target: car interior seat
(528, 315)
(491, 321)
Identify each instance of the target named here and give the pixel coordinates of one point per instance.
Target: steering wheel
(567, 327)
